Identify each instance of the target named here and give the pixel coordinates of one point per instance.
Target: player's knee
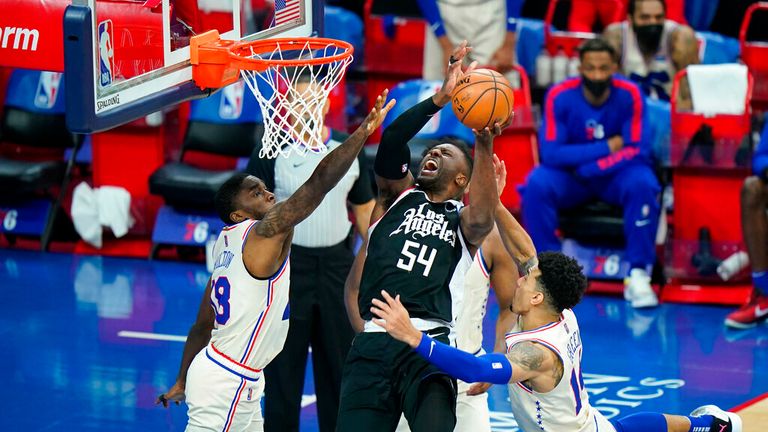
(538, 185)
(753, 192)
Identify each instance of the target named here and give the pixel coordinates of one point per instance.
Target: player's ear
(326, 107)
(462, 181)
(537, 298)
(237, 216)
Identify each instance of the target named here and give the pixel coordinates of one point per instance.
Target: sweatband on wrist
(492, 368)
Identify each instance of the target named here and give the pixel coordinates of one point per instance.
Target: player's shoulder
(627, 88)
(565, 88)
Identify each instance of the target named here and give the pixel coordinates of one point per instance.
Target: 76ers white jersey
(251, 314)
(655, 76)
(469, 323)
(566, 407)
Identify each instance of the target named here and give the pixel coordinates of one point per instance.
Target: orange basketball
(482, 98)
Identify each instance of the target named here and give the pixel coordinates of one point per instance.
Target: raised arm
(267, 240)
(197, 338)
(477, 217)
(393, 157)
(352, 289)
(516, 241)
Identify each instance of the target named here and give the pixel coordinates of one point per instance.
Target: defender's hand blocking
(379, 111)
(454, 74)
(395, 320)
(174, 394)
(500, 171)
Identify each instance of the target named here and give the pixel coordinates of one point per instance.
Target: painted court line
(152, 336)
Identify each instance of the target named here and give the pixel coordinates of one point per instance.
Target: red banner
(31, 34)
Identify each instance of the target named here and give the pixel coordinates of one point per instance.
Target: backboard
(124, 59)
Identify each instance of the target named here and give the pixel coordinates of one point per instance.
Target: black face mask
(649, 37)
(598, 87)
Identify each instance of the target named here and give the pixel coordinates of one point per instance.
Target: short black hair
(562, 280)
(457, 142)
(224, 200)
(596, 45)
(632, 5)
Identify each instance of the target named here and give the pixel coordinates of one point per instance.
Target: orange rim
(239, 51)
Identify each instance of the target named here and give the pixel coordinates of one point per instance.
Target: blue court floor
(77, 357)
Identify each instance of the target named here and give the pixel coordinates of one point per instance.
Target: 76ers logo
(47, 89)
(106, 53)
(595, 130)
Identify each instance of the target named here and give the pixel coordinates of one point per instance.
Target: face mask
(597, 88)
(649, 37)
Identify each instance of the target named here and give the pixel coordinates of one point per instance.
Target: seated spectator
(592, 147)
(489, 26)
(754, 224)
(652, 48)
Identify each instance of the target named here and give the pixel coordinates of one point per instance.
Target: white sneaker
(638, 291)
(727, 421)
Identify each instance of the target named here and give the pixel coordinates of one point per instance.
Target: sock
(642, 422)
(760, 281)
(701, 424)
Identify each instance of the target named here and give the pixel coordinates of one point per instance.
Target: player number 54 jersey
(251, 314)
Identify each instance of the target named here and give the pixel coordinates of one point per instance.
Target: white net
(293, 98)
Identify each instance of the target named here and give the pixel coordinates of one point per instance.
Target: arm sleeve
(555, 150)
(262, 168)
(394, 156)
(513, 14)
(760, 160)
(493, 368)
(432, 14)
(361, 191)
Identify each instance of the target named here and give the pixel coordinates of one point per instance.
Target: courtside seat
(33, 134)
(222, 128)
(596, 222)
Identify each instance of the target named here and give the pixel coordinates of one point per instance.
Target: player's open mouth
(430, 167)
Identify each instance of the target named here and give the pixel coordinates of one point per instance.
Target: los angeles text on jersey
(421, 222)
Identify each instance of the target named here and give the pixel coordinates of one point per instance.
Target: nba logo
(231, 105)
(106, 53)
(47, 89)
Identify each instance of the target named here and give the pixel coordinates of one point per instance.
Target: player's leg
(484, 26)
(257, 420)
(218, 398)
(708, 418)
(331, 334)
(368, 402)
(472, 414)
(285, 374)
(754, 225)
(428, 394)
(636, 189)
(548, 190)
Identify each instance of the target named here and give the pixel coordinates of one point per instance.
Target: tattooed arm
(269, 241)
(535, 365)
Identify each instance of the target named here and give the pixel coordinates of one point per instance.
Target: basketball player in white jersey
(544, 350)
(242, 321)
(652, 49)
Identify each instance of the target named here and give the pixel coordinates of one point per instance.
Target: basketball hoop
(299, 72)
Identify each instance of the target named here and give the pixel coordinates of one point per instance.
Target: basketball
(482, 98)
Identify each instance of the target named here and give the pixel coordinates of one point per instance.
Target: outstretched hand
(500, 171)
(378, 113)
(486, 135)
(174, 394)
(394, 318)
(454, 74)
